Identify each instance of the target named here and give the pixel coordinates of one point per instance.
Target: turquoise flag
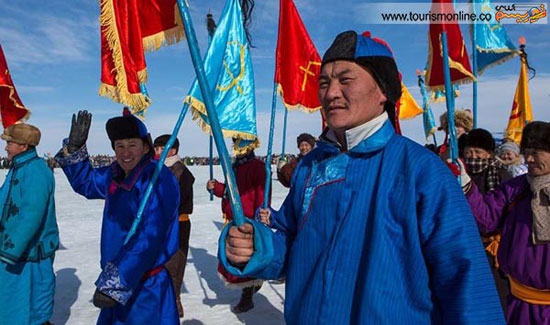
(438, 96)
(427, 114)
(493, 45)
(228, 68)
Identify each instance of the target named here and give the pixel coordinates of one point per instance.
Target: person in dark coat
(306, 143)
(176, 265)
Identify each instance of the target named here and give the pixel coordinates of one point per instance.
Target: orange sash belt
(529, 294)
(184, 217)
(492, 248)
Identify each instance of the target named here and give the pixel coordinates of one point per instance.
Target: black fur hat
(127, 126)
(479, 138)
(536, 135)
(375, 55)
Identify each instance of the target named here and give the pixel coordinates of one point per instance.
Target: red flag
(461, 72)
(298, 63)
(11, 107)
(128, 28)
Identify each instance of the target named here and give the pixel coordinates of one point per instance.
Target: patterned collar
(127, 182)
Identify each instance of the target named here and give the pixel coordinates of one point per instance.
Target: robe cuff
(64, 158)
(110, 283)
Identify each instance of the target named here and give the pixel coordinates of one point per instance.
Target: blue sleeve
(87, 181)
(271, 245)
(461, 281)
(35, 190)
(142, 251)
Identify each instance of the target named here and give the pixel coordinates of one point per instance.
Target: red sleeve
(219, 189)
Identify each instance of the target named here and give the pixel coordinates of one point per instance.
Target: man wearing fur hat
(375, 228)
(520, 209)
(28, 231)
(250, 177)
(306, 143)
(133, 286)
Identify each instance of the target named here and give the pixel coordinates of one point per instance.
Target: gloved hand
(101, 300)
(465, 179)
(80, 127)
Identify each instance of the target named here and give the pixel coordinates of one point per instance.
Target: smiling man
(134, 286)
(375, 229)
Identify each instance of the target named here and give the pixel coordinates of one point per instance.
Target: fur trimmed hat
(463, 118)
(376, 56)
(22, 134)
(127, 126)
(307, 138)
(536, 135)
(479, 138)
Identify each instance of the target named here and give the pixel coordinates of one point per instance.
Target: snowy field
(205, 298)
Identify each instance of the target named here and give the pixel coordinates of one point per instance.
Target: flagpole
(270, 147)
(284, 135)
(449, 99)
(191, 37)
(211, 30)
(156, 174)
(474, 68)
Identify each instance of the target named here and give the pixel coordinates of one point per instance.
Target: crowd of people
(375, 227)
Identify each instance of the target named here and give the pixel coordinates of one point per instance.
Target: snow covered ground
(205, 298)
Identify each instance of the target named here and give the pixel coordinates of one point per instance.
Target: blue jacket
(379, 234)
(28, 228)
(129, 271)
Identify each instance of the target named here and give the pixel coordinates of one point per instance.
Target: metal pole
(474, 64)
(269, 147)
(284, 135)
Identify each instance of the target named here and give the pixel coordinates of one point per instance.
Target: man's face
(349, 95)
(158, 151)
(13, 149)
(129, 152)
(304, 148)
(476, 152)
(538, 162)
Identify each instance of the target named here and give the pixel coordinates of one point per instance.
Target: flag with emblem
(521, 107)
(298, 63)
(228, 67)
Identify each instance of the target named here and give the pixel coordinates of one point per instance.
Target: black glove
(80, 127)
(101, 300)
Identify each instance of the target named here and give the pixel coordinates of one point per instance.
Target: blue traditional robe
(380, 234)
(129, 272)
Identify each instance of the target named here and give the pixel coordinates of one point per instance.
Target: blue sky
(53, 49)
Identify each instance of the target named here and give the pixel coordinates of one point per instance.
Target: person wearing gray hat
(29, 235)
(508, 153)
(375, 228)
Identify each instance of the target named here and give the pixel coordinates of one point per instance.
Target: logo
(521, 13)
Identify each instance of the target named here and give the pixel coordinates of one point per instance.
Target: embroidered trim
(64, 158)
(109, 283)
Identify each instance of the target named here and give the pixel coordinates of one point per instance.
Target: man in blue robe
(375, 229)
(134, 286)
